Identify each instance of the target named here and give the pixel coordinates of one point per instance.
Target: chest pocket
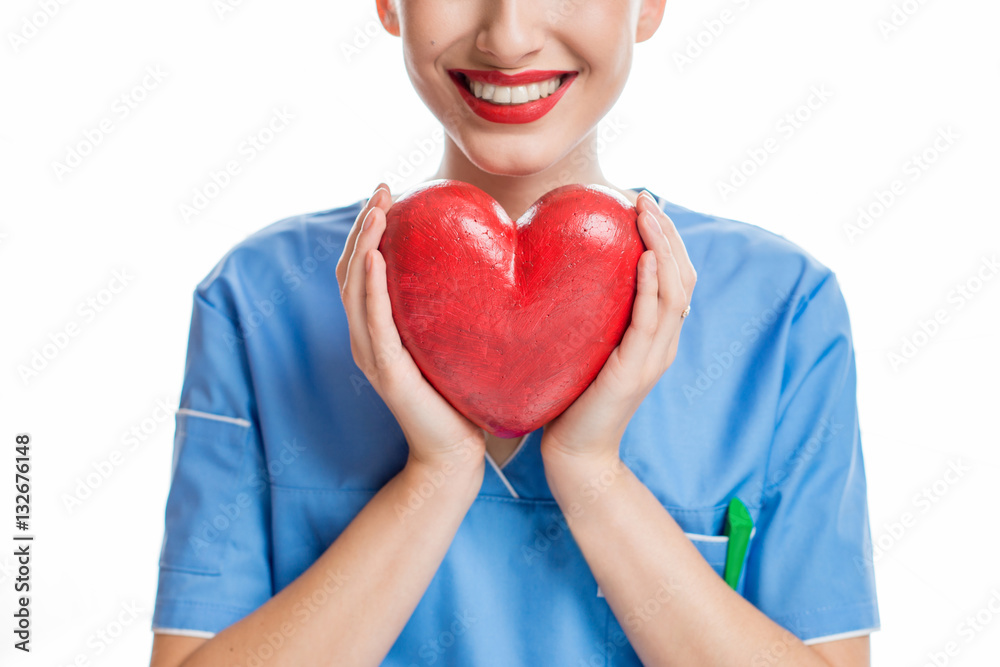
(713, 549)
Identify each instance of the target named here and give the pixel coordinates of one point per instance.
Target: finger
(408, 394)
(638, 338)
(386, 346)
(352, 261)
(355, 291)
(375, 199)
(688, 274)
(672, 297)
(350, 241)
(381, 199)
(671, 286)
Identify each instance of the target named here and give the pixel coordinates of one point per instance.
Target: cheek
(600, 34)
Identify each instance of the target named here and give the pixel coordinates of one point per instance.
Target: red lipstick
(510, 113)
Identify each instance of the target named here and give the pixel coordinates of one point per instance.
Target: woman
(322, 515)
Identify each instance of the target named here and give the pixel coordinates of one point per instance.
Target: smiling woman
(644, 524)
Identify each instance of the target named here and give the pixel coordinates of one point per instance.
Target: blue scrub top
(280, 441)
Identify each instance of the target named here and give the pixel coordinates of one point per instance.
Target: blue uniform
(280, 441)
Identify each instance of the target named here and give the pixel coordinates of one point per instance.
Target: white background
(357, 121)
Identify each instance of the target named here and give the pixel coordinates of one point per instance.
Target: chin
(513, 160)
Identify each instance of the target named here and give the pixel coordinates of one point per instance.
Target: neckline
(513, 454)
(361, 202)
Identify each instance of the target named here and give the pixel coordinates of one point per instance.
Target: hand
(593, 425)
(436, 432)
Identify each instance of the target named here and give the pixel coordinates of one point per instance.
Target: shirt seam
(234, 323)
(208, 605)
(238, 421)
(847, 634)
(183, 632)
(870, 603)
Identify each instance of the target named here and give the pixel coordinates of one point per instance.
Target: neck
(516, 193)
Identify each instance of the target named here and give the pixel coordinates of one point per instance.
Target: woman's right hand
(439, 436)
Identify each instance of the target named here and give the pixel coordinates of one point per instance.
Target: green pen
(738, 527)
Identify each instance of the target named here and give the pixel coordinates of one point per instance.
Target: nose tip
(511, 32)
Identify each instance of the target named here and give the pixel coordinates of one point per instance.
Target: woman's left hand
(593, 425)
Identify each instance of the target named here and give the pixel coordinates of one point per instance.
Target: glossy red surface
(511, 321)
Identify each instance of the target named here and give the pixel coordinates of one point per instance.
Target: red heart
(511, 322)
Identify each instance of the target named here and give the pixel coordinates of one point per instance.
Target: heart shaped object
(511, 321)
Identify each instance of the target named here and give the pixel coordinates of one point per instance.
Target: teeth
(514, 94)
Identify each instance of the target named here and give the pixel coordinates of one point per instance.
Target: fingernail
(364, 220)
(655, 224)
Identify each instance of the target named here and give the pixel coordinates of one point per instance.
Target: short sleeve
(214, 565)
(809, 568)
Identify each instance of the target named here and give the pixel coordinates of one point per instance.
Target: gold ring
(685, 313)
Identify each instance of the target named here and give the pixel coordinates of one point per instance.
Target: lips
(510, 113)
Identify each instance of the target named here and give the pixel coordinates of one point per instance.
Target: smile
(504, 98)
